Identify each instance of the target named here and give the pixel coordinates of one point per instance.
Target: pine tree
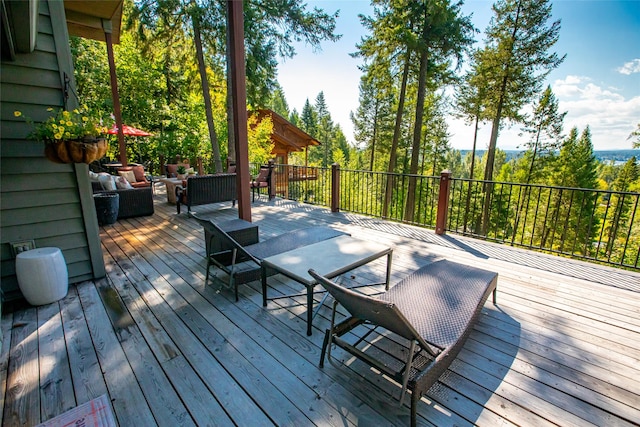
(516, 61)
(545, 128)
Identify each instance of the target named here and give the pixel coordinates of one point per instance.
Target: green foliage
(68, 125)
(260, 144)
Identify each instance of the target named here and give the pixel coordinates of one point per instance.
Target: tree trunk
(471, 172)
(375, 135)
(495, 129)
(417, 136)
(393, 154)
(206, 95)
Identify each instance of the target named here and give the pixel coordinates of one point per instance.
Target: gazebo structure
(288, 138)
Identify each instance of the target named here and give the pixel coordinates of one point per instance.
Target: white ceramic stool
(42, 275)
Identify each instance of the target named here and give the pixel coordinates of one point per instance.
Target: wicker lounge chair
(242, 262)
(434, 308)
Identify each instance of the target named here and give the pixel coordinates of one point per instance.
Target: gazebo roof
(286, 136)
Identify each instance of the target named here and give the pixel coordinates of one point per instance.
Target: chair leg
(325, 343)
(329, 338)
(208, 267)
(407, 371)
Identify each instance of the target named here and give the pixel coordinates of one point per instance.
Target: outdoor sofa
(205, 189)
(133, 201)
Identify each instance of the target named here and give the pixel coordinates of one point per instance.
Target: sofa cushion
(107, 181)
(138, 171)
(128, 174)
(122, 183)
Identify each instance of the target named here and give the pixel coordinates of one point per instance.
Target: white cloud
(630, 67)
(609, 115)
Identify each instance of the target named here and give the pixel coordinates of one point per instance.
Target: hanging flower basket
(71, 136)
(86, 150)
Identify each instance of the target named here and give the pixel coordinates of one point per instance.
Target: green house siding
(41, 200)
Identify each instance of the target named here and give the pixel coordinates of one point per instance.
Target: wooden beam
(235, 26)
(116, 97)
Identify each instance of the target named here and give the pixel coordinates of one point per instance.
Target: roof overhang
(90, 19)
(287, 136)
(19, 26)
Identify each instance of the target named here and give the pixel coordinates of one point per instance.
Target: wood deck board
(561, 346)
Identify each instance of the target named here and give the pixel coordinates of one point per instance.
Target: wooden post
(117, 112)
(335, 187)
(161, 165)
(235, 27)
(199, 165)
(272, 180)
(443, 202)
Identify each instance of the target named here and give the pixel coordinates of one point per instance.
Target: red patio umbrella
(129, 131)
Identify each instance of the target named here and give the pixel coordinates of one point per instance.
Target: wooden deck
(562, 346)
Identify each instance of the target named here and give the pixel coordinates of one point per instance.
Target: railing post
(443, 202)
(199, 164)
(271, 188)
(335, 187)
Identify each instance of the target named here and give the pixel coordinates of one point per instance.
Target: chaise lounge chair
(243, 263)
(434, 308)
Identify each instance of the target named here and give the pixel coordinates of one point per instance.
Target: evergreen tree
(442, 36)
(621, 205)
(545, 128)
(574, 222)
(515, 60)
(372, 120)
(278, 102)
(324, 129)
(308, 119)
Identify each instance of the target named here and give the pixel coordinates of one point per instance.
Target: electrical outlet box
(21, 246)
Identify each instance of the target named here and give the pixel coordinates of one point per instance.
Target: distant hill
(617, 156)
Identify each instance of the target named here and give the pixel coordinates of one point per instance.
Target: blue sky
(598, 84)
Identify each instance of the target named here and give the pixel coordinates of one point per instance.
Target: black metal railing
(595, 225)
(591, 224)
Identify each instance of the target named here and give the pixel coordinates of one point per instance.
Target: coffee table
(329, 258)
(171, 184)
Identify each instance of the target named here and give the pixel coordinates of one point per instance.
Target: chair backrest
(263, 175)
(379, 313)
(226, 240)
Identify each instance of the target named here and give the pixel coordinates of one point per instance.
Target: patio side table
(42, 275)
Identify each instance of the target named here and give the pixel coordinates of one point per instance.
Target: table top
(329, 258)
(170, 180)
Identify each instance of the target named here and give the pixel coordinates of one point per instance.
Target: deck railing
(595, 225)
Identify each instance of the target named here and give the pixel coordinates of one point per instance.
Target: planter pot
(107, 207)
(86, 150)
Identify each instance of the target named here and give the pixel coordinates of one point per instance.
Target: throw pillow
(128, 175)
(93, 177)
(122, 183)
(107, 181)
(138, 171)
